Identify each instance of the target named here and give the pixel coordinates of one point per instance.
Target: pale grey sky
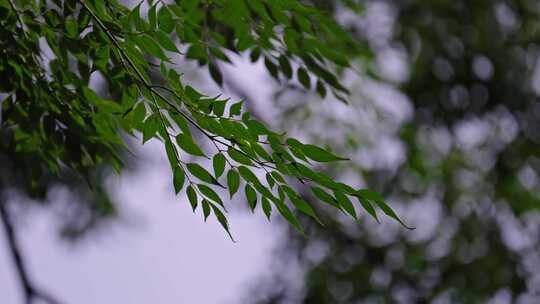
(163, 254)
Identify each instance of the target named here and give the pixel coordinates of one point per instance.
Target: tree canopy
(56, 126)
(469, 167)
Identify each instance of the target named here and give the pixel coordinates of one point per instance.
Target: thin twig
(19, 19)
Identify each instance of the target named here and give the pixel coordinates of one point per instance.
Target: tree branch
(30, 291)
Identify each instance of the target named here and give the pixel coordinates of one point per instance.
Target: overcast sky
(163, 254)
(160, 252)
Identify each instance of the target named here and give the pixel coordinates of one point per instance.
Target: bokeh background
(443, 120)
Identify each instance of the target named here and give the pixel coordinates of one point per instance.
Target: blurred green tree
(467, 164)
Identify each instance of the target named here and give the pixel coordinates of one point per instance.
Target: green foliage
(469, 193)
(52, 113)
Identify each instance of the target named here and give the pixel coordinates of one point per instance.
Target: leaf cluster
(54, 115)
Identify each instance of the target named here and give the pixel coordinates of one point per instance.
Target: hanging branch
(30, 291)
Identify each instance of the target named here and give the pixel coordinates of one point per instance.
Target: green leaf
(345, 203)
(239, 157)
(260, 151)
(233, 181)
(255, 54)
(138, 114)
(278, 177)
(102, 58)
(218, 107)
(325, 197)
(270, 180)
(151, 47)
(206, 208)
(199, 172)
(257, 127)
(251, 197)
(379, 200)
(271, 67)
(296, 148)
(222, 220)
(321, 89)
(178, 179)
(150, 127)
(185, 141)
(337, 57)
(181, 122)
(267, 208)
(166, 42)
(285, 66)
(72, 29)
(248, 175)
(135, 16)
(196, 51)
(303, 77)
(367, 206)
(218, 163)
(192, 196)
(210, 194)
(166, 21)
(318, 154)
(152, 15)
(171, 153)
(289, 216)
(300, 203)
(236, 109)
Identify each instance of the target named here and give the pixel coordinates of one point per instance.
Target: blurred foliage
(451, 135)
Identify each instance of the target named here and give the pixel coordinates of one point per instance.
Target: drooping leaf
(178, 179)
(218, 163)
(270, 180)
(289, 216)
(345, 203)
(325, 197)
(235, 109)
(222, 220)
(192, 196)
(165, 19)
(379, 200)
(206, 208)
(367, 206)
(146, 43)
(201, 173)
(285, 66)
(185, 141)
(319, 154)
(239, 157)
(210, 194)
(300, 203)
(248, 175)
(251, 197)
(303, 78)
(150, 127)
(267, 207)
(233, 181)
(166, 42)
